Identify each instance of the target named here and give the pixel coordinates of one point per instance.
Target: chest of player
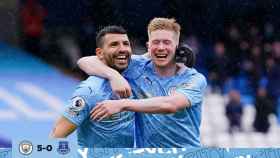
(150, 86)
(105, 93)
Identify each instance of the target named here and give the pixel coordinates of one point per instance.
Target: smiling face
(162, 46)
(115, 51)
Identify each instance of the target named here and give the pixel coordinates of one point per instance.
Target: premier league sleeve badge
(77, 105)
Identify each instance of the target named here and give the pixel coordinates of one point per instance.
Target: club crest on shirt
(77, 104)
(186, 85)
(183, 86)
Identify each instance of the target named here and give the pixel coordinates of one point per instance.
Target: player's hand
(120, 86)
(106, 109)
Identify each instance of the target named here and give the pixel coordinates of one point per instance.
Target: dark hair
(106, 30)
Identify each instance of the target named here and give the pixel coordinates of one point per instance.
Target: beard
(112, 62)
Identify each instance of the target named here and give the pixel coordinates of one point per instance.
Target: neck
(166, 71)
(112, 66)
(120, 71)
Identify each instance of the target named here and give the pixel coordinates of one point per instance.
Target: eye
(156, 42)
(167, 42)
(126, 43)
(114, 44)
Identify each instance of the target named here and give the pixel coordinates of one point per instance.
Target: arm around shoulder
(94, 66)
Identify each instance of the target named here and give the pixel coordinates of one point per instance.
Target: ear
(148, 48)
(147, 45)
(99, 53)
(177, 46)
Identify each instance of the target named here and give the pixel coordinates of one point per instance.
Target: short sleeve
(194, 89)
(80, 104)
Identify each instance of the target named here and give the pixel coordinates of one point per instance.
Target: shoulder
(95, 81)
(136, 66)
(192, 76)
(88, 92)
(140, 59)
(90, 86)
(200, 77)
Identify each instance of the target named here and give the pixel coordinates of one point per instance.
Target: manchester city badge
(25, 147)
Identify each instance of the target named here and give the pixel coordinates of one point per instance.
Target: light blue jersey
(180, 129)
(114, 132)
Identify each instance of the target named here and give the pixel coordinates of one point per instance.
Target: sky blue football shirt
(114, 132)
(180, 129)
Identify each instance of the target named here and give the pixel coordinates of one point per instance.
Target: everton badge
(63, 147)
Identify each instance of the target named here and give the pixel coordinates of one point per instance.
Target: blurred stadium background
(237, 44)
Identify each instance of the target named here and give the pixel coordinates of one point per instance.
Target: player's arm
(164, 105)
(62, 128)
(93, 66)
(184, 96)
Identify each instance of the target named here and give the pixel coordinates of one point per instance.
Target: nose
(160, 46)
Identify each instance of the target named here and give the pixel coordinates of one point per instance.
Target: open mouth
(161, 56)
(121, 58)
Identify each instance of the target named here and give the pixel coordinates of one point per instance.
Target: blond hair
(164, 24)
